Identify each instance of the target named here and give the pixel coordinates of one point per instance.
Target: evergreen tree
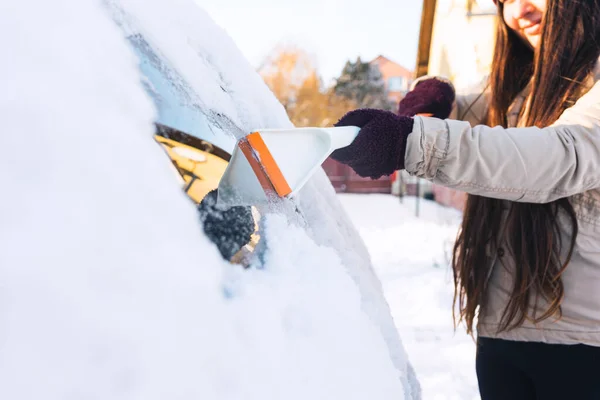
(363, 84)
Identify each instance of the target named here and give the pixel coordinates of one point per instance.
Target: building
(462, 40)
(456, 42)
(397, 78)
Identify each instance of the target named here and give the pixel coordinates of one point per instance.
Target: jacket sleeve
(531, 164)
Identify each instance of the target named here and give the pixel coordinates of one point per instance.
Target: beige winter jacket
(525, 164)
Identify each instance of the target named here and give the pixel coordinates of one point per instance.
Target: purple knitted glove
(379, 147)
(431, 96)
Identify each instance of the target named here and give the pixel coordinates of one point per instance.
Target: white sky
(333, 31)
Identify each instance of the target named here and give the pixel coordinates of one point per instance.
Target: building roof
(390, 65)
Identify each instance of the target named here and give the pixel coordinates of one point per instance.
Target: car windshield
(177, 105)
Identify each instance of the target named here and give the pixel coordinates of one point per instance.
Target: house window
(396, 84)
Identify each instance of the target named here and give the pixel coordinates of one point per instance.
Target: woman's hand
(431, 97)
(379, 147)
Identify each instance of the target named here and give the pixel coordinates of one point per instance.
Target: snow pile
(303, 335)
(108, 288)
(411, 256)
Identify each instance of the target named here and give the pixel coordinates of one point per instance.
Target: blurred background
(324, 58)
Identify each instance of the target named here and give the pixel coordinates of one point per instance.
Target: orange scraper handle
(264, 165)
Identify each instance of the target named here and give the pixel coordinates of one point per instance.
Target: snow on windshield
(108, 288)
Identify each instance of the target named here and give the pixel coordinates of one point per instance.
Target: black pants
(508, 370)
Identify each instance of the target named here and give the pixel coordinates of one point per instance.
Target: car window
(199, 163)
(198, 149)
(177, 105)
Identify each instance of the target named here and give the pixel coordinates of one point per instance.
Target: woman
(527, 257)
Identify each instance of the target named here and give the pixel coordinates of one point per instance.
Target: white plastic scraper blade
(239, 184)
(278, 162)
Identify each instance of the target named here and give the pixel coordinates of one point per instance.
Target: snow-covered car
(108, 286)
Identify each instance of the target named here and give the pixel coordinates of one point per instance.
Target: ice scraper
(276, 163)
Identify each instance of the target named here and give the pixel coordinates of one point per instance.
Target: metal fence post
(418, 196)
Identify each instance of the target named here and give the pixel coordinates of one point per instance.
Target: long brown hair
(568, 51)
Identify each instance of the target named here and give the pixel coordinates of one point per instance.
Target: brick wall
(449, 197)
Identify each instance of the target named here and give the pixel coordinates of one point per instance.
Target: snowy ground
(411, 257)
